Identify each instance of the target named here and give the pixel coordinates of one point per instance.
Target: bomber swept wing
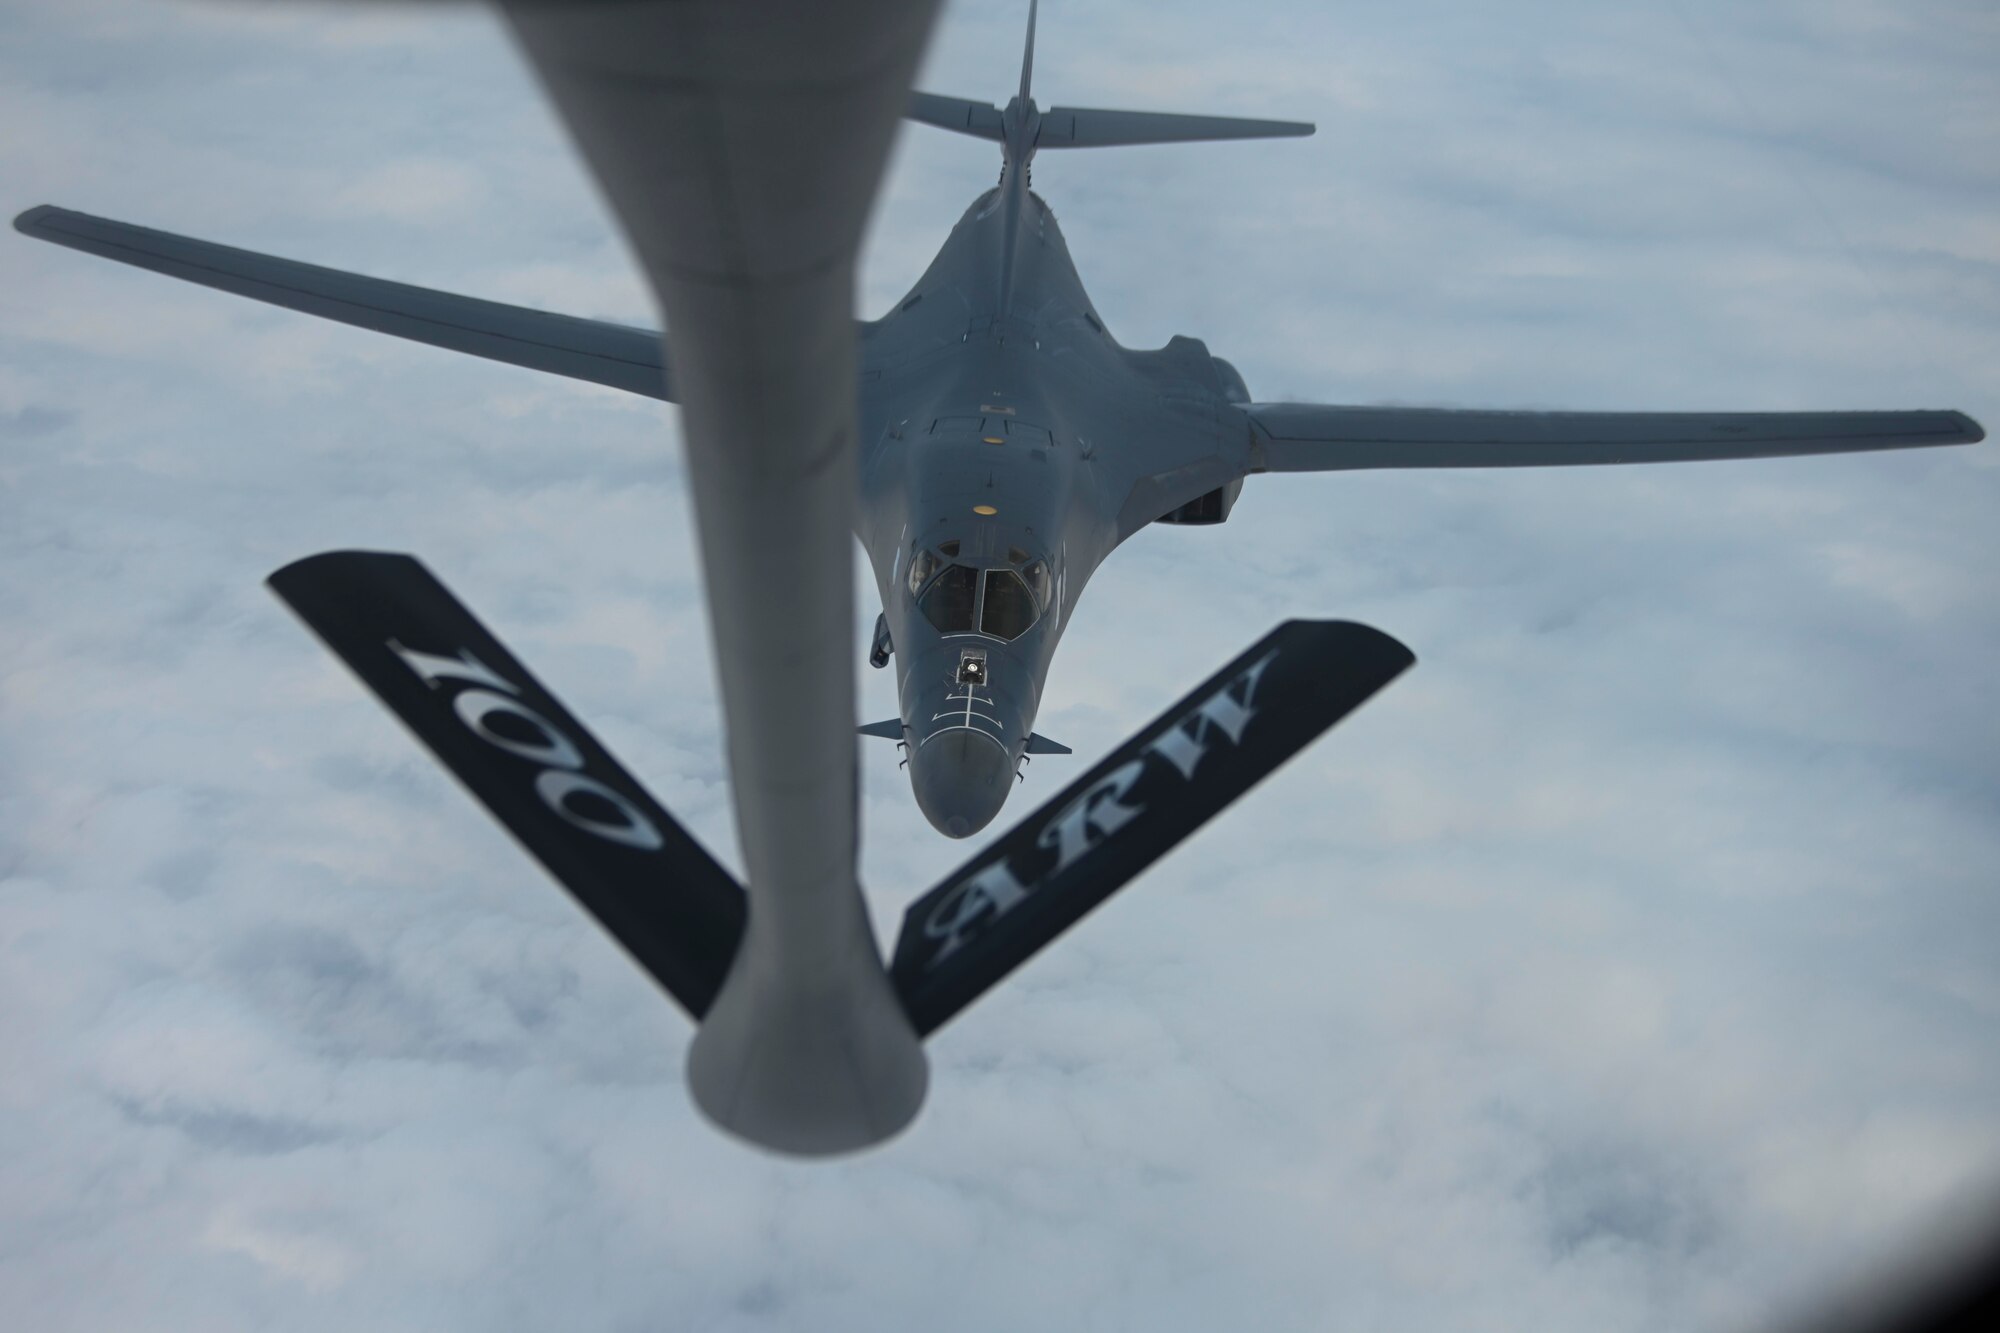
(582, 349)
(1307, 437)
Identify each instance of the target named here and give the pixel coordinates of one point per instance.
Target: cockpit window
(948, 603)
(1010, 607)
(1003, 602)
(921, 568)
(1037, 575)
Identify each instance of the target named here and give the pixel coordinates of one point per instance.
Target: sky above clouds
(1628, 965)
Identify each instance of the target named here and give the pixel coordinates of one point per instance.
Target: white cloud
(411, 189)
(1626, 966)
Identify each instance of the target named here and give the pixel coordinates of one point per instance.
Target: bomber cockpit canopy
(1002, 601)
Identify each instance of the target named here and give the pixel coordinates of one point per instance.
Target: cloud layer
(1626, 966)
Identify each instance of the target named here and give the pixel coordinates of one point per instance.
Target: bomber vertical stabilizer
(1022, 127)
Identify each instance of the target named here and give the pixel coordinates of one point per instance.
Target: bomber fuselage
(1008, 444)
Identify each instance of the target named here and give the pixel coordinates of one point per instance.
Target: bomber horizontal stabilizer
(999, 909)
(981, 120)
(891, 729)
(1091, 127)
(516, 748)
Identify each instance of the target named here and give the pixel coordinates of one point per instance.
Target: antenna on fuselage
(1022, 127)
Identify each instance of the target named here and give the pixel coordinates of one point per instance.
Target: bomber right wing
(582, 349)
(1309, 437)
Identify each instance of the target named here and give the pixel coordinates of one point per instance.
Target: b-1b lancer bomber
(989, 442)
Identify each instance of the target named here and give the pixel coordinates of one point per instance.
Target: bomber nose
(961, 778)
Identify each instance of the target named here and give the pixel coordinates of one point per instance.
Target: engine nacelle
(1213, 507)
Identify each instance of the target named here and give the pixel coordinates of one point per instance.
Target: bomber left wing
(582, 349)
(1310, 437)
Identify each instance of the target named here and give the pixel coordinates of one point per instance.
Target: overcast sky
(1630, 965)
